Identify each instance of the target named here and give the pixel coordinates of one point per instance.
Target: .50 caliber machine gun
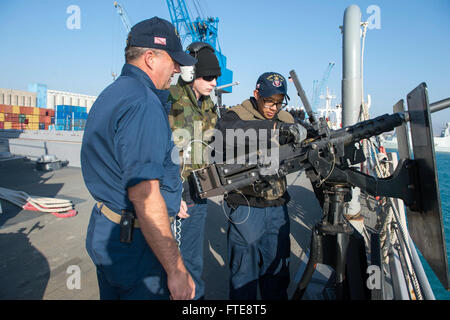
(329, 158)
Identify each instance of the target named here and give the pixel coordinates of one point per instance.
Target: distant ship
(441, 143)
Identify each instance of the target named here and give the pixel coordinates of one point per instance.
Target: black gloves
(294, 130)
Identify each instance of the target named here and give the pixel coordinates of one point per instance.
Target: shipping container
(16, 109)
(2, 117)
(11, 117)
(36, 111)
(2, 108)
(7, 125)
(32, 126)
(8, 108)
(44, 119)
(2, 125)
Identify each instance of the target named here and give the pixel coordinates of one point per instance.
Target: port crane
(200, 29)
(123, 16)
(318, 88)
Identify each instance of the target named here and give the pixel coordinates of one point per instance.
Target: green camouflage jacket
(190, 122)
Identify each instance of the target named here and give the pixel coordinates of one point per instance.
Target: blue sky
(412, 45)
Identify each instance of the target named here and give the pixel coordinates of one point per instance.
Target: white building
(17, 98)
(55, 98)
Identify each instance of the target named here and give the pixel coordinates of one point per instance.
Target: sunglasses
(209, 78)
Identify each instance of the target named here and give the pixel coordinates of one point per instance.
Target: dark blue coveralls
(128, 140)
(191, 234)
(258, 234)
(258, 252)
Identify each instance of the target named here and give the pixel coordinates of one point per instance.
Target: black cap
(270, 83)
(207, 64)
(160, 34)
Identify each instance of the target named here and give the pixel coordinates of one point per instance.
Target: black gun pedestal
(330, 242)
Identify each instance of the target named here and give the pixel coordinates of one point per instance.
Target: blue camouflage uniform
(128, 140)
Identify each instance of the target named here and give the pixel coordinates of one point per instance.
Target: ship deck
(38, 248)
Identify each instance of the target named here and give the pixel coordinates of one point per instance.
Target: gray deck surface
(37, 248)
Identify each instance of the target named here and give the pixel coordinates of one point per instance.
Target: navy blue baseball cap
(160, 34)
(270, 83)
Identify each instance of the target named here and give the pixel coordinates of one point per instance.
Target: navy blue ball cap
(270, 83)
(160, 34)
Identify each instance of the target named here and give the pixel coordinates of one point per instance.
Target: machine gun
(329, 158)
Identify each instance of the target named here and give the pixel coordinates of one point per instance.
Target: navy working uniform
(117, 154)
(259, 227)
(128, 141)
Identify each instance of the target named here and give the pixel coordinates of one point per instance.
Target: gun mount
(329, 158)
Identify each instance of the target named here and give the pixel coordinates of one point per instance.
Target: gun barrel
(302, 95)
(366, 129)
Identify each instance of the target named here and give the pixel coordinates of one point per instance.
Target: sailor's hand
(295, 130)
(183, 210)
(181, 285)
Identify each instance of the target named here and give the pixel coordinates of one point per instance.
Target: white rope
(248, 213)
(185, 157)
(20, 199)
(176, 230)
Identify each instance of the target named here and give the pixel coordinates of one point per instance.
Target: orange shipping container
(2, 108)
(8, 109)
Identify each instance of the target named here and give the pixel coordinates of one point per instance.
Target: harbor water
(443, 167)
